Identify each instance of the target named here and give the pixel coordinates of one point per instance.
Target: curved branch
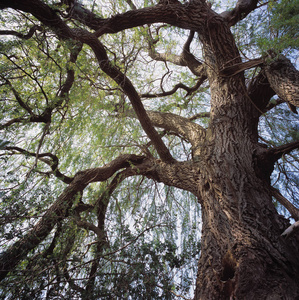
(128, 88)
(241, 10)
(101, 205)
(185, 59)
(189, 90)
(21, 35)
(176, 14)
(18, 97)
(19, 250)
(12, 121)
(286, 203)
(65, 89)
(53, 164)
(266, 158)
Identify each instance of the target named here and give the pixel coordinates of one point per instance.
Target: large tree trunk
(243, 255)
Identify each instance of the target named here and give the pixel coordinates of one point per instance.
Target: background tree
(121, 122)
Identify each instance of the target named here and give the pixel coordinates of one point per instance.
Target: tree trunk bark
(243, 255)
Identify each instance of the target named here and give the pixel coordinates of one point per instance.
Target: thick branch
(284, 80)
(192, 132)
(277, 152)
(241, 10)
(19, 250)
(266, 158)
(66, 87)
(260, 91)
(12, 121)
(128, 89)
(180, 125)
(183, 175)
(176, 14)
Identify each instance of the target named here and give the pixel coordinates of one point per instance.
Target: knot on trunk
(228, 279)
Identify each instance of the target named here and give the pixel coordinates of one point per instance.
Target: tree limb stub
(291, 230)
(284, 79)
(266, 158)
(260, 91)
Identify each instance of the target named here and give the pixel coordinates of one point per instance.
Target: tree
(76, 78)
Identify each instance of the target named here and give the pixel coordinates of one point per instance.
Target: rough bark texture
(284, 80)
(243, 255)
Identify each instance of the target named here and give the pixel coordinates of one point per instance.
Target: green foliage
(152, 240)
(283, 28)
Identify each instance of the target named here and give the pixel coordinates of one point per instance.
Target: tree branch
(291, 229)
(200, 115)
(180, 125)
(189, 90)
(277, 152)
(18, 97)
(53, 164)
(20, 35)
(273, 104)
(173, 13)
(260, 91)
(49, 18)
(19, 250)
(62, 94)
(101, 205)
(192, 132)
(240, 67)
(128, 88)
(266, 158)
(185, 59)
(286, 203)
(284, 79)
(241, 10)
